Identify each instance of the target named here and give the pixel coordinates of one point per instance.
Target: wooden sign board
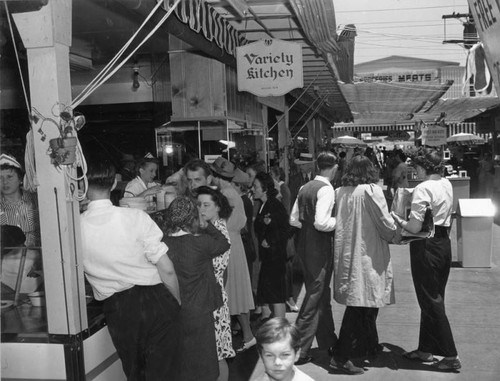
(269, 67)
(433, 136)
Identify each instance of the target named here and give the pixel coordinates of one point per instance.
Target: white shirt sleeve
(294, 215)
(154, 248)
(323, 219)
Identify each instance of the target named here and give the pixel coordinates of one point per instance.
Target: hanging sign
(269, 67)
(433, 136)
(486, 15)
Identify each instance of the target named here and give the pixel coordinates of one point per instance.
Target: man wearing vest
(312, 214)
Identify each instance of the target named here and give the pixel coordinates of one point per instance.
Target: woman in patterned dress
(214, 208)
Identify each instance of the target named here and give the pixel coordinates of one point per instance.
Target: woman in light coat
(363, 277)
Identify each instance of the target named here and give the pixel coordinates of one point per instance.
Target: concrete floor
(473, 308)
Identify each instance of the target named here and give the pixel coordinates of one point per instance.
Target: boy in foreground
(278, 343)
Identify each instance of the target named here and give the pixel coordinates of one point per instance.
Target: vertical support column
(311, 136)
(46, 34)
(265, 130)
(284, 139)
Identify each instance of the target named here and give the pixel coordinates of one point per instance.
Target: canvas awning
(390, 103)
(458, 109)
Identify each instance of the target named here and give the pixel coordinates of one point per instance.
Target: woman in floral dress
(214, 208)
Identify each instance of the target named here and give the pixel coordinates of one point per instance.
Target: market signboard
(433, 136)
(486, 15)
(269, 67)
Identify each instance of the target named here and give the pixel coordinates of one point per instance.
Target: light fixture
(229, 144)
(169, 149)
(135, 79)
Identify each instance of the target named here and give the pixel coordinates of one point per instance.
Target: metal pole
(227, 138)
(310, 117)
(199, 140)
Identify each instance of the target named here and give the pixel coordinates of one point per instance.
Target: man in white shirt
(312, 214)
(126, 264)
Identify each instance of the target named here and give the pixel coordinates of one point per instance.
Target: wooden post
(46, 34)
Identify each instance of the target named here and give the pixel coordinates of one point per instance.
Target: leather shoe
(449, 365)
(292, 307)
(246, 345)
(303, 360)
(346, 367)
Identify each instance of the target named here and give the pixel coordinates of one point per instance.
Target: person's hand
(203, 223)
(267, 219)
(398, 219)
(265, 245)
(152, 191)
(397, 238)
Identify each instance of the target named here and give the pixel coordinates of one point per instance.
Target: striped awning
(353, 128)
(201, 17)
(468, 128)
(356, 128)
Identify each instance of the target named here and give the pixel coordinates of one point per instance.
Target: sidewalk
(473, 308)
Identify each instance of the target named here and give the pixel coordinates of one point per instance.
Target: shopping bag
(401, 206)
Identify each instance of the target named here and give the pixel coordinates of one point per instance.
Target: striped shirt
(24, 214)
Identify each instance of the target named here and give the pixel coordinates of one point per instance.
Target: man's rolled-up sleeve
(154, 248)
(323, 219)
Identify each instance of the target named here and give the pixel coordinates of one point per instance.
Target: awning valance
(453, 128)
(352, 127)
(203, 18)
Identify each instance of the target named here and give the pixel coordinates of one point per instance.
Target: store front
(208, 117)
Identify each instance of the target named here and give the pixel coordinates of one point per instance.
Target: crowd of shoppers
(341, 233)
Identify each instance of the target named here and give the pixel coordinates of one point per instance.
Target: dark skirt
(358, 335)
(272, 277)
(430, 268)
(198, 350)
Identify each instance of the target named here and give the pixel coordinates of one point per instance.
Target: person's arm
(238, 218)
(275, 233)
(150, 191)
(168, 276)
(421, 199)
(216, 242)
(379, 214)
(155, 251)
(412, 225)
(294, 215)
(323, 219)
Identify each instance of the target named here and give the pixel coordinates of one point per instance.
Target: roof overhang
(327, 57)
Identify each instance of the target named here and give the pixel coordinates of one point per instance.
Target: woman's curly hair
(225, 209)
(360, 170)
(430, 159)
(267, 183)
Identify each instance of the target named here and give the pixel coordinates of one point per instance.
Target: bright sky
(411, 28)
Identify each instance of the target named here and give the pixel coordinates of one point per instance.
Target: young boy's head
(278, 343)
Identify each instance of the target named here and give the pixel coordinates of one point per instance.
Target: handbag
(402, 207)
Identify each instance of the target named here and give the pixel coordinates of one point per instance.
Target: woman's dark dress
(200, 296)
(272, 286)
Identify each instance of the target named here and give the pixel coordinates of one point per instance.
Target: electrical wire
(103, 76)
(398, 9)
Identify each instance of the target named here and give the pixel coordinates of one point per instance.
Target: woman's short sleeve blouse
(438, 194)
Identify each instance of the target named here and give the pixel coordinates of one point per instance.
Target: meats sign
(269, 67)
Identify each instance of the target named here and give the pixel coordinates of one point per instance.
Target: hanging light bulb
(135, 79)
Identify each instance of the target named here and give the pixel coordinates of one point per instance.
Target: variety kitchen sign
(269, 67)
